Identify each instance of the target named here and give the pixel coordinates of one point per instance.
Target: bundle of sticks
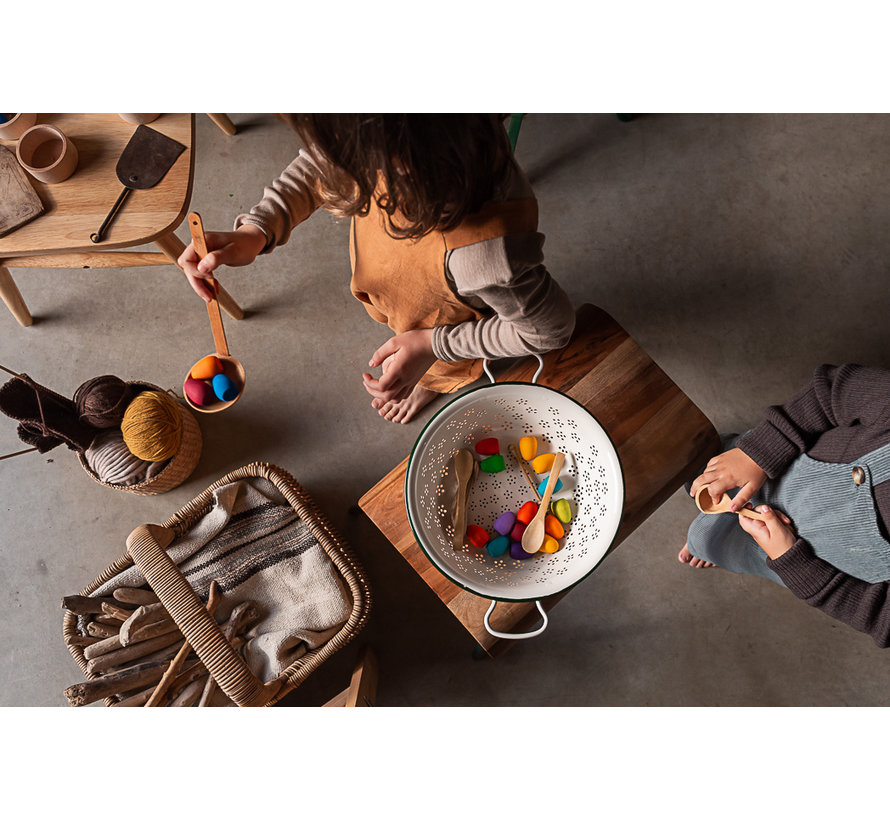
(137, 653)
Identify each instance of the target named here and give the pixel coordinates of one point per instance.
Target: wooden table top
(77, 207)
(662, 439)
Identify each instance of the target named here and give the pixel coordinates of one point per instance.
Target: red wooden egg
(488, 447)
(477, 536)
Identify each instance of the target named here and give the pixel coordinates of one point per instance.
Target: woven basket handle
(147, 547)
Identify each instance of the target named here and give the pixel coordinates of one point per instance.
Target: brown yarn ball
(102, 402)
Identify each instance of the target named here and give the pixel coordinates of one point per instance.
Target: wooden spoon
(231, 366)
(533, 536)
(706, 504)
(464, 469)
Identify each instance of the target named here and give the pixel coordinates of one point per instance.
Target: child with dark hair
(818, 468)
(443, 243)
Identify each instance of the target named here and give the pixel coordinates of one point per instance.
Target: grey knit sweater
(841, 415)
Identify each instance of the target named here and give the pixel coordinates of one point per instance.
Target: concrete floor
(739, 251)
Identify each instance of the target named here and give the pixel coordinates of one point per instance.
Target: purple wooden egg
(505, 522)
(518, 553)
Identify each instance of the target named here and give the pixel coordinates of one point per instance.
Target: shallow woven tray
(181, 465)
(340, 553)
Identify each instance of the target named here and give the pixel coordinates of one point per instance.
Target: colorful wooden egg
(477, 536)
(518, 529)
(543, 463)
(488, 447)
(498, 546)
(224, 387)
(562, 510)
(207, 368)
(518, 553)
(492, 464)
(550, 544)
(527, 512)
(505, 522)
(199, 392)
(553, 527)
(528, 447)
(543, 486)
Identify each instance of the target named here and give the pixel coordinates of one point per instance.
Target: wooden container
(146, 548)
(139, 119)
(181, 465)
(16, 125)
(47, 154)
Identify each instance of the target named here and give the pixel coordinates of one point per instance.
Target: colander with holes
(592, 483)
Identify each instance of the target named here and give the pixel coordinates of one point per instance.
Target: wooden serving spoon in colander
(533, 535)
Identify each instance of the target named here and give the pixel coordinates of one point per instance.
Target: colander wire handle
(511, 635)
(534, 378)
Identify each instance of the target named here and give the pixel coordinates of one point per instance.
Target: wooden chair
(362, 689)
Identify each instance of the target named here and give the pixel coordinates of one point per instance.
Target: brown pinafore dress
(402, 282)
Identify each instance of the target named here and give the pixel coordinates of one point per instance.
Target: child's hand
(234, 248)
(405, 358)
(731, 469)
(772, 534)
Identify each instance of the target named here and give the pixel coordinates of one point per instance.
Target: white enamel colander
(592, 483)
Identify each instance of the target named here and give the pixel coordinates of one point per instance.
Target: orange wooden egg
(553, 527)
(207, 368)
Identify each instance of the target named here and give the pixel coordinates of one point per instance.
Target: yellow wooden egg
(543, 463)
(207, 368)
(528, 447)
(550, 544)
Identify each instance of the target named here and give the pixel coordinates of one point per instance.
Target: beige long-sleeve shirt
(525, 310)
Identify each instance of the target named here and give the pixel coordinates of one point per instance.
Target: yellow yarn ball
(152, 426)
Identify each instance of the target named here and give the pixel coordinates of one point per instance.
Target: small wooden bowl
(231, 368)
(16, 125)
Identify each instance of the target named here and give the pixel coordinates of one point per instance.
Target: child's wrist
(255, 234)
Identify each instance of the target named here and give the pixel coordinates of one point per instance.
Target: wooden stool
(662, 438)
(362, 689)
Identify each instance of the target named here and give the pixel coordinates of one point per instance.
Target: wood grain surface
(661, 437)
(77, 207)
(19, 203)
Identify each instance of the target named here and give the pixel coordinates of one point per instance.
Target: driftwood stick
(108, 620)
(148, 631)
(125, 655)
(113, 684)
(136, 700)
(102, 647)
(82, 640)
(166, 654)
(115, 610)
(101, 630)
(176, 664)
(190, 694)
(142, 616)
(134, 595)
(85, 604)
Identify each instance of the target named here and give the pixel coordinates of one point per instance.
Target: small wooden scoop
(231, 366)
(706, 504)
(464, 471)
(533, 536)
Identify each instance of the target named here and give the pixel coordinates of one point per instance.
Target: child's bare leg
(403, 411)
(686, 557)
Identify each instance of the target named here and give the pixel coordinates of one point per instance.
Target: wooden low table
(662, 439)
(75, 208)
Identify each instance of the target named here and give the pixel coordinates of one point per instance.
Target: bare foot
(686, 557)
(403, 411)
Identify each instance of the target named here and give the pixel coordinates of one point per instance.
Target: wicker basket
(146, 548)
(181, 465)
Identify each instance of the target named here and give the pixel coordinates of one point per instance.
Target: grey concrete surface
(739, 251)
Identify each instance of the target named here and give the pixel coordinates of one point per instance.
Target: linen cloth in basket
(257, 548)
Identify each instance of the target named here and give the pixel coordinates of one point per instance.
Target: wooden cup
(16, 125)
(138, 119)
(47, 154)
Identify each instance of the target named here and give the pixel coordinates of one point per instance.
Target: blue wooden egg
(543, 486)
(224, 387)
(498, 546)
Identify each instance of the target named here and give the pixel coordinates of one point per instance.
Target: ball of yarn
(101, 402)
(112, 462)
(152, 426)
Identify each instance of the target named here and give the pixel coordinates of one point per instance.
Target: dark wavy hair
(437, 168)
